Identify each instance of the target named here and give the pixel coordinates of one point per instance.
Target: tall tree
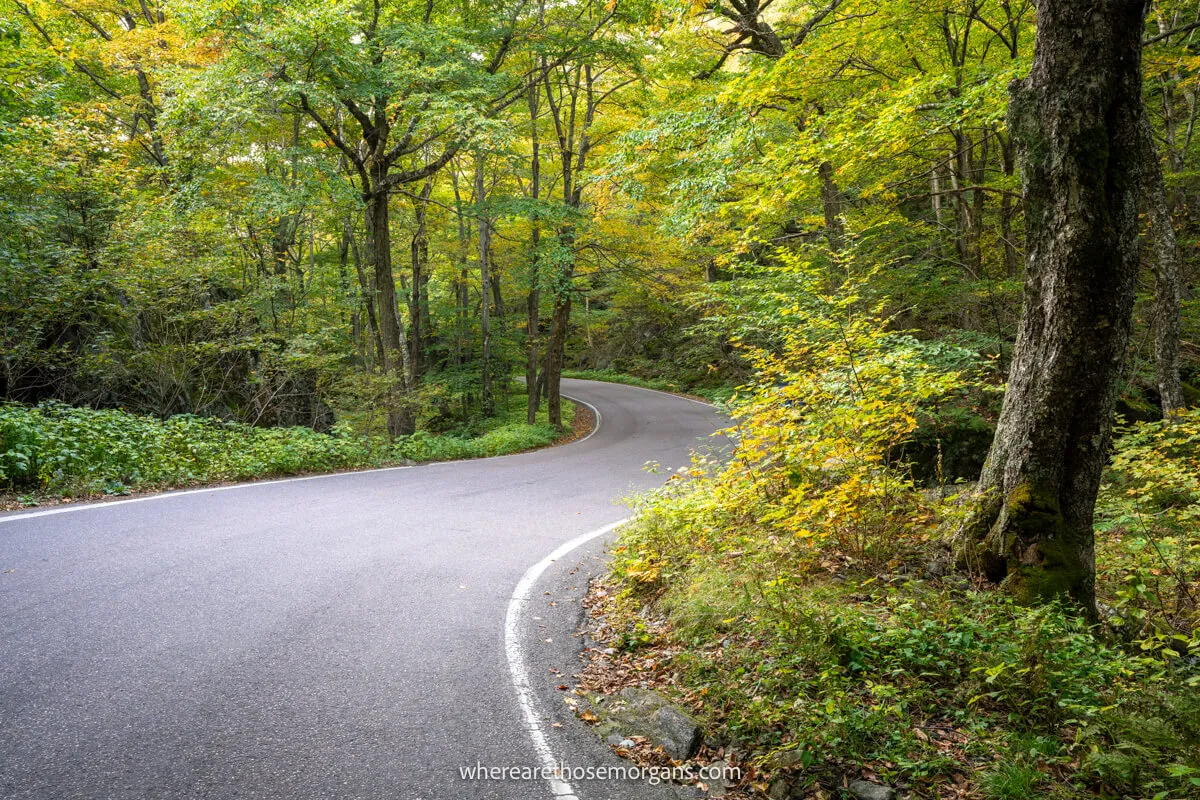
(574, 92)
(533, 308)
(485, 285)
(413, 89)
(1077, 123)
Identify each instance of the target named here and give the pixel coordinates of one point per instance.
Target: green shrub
(56, 449)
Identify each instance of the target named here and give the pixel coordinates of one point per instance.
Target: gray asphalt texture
(335, 637)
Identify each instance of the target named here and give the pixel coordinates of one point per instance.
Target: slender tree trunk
(1168, 288)
(533, 299)
(831, 204)
(1077, 124)
(935, 189)
(418, 305)
(1012, 263)
(344, 285)
(555, 356)
(978, 160)
(461, 279)
(485, 323)
(959, 170)
(497, 288)
(367, 284)
(560, 322)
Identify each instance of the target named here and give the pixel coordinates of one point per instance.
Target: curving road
(341, 636)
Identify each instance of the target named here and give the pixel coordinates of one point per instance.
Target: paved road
(334, 637)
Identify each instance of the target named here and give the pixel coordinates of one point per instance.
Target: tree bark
(418, 305)
(485, 324)
(554, 357)
(574, 144)
(1012, 263)
(401, 421)
(367, 285)
(1076, 121)
(1168, 284)
(533, 299)
(831, 204)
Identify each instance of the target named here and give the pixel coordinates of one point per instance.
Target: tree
(1168, 287)
(1171, 91)
(106, 43)
(412, 93)
(1077, 123)
(574, 91)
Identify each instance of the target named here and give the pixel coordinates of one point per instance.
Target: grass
(54, 450)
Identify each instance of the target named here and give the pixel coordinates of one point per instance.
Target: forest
(936, 259)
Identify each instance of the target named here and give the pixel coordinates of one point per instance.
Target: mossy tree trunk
(1076, 121)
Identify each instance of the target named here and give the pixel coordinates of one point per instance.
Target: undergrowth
(56, 450)
(806, 604)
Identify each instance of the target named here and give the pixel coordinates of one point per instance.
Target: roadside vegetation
(804, 600)
(56, 451)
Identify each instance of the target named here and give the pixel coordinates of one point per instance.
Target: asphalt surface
(333, 637)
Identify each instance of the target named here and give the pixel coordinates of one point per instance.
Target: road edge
(64, 508)
(526, 698)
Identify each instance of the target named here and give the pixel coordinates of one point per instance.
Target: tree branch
(1168, 34)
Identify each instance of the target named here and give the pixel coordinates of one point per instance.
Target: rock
(779, 789)
(800, 791)
(641, 712)
(679, 735)
(865, 790)
(716, 776)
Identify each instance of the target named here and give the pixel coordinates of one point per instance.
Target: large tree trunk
(1076, 121)
(401, 421)
(1168, 289)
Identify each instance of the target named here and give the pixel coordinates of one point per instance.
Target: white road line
(516, 661)
(595, 423)
(69, 507)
